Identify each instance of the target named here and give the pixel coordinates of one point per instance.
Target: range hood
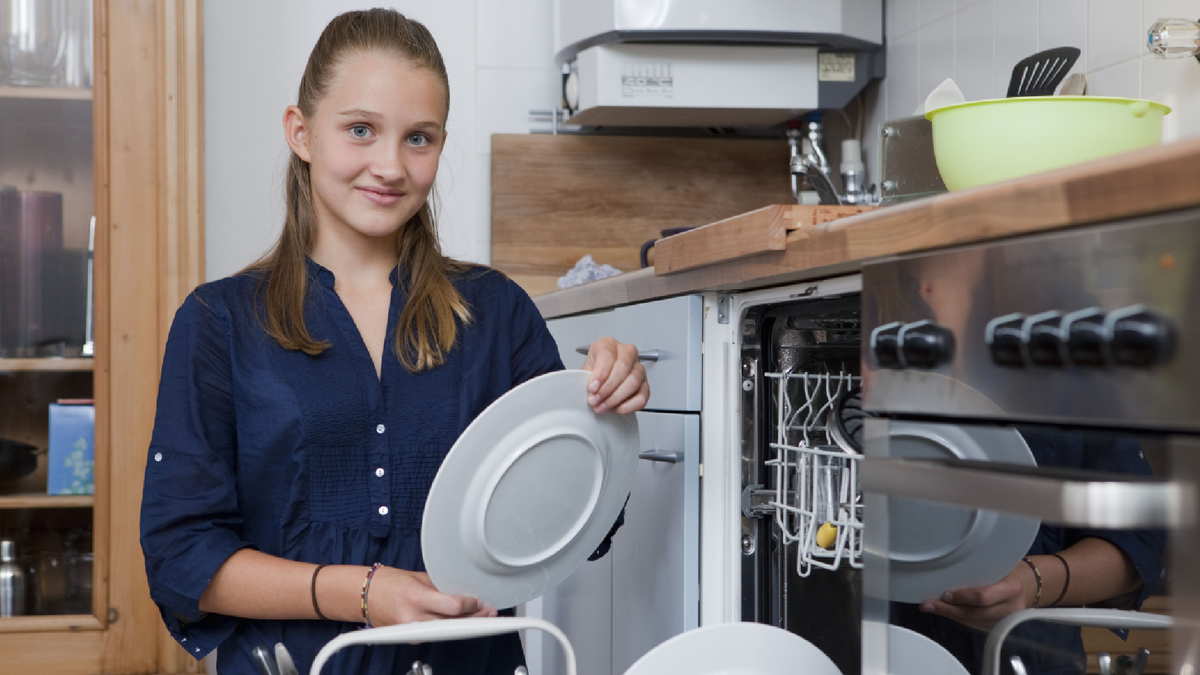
(713, 63)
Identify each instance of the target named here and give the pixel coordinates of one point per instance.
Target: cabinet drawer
(574, 332)
(669, 330)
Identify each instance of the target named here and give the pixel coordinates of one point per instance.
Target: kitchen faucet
(808, 161)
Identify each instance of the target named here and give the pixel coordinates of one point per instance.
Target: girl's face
(372, 144)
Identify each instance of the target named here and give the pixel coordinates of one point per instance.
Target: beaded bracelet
(316, 607)
(1037, 595)
(1066, 584)
(366, 589)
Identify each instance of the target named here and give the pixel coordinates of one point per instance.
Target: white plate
(735, 649)
(910, 653)
(934, 548)
(528, 492)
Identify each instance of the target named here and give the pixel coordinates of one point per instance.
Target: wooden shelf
(46, 502)
(51, 622)
(47, 93)
(49, 364)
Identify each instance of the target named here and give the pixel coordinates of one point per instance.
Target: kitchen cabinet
(129, 151)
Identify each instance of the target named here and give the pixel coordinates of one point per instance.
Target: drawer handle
(668, 456)
(648, 355)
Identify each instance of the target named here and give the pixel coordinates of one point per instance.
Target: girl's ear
(295, 132)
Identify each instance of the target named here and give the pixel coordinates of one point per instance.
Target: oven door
(1034, 409)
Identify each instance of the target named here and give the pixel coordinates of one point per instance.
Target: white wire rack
(816, 481)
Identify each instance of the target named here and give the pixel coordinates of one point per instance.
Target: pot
(989, 141)
(17, 459)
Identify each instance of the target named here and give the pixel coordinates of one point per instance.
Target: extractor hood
(713, 63)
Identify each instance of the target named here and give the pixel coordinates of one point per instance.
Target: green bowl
(988, 141)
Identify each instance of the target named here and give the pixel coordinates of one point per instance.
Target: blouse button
(383, 510)
(158, 456)
(379, 472)
(379, 429)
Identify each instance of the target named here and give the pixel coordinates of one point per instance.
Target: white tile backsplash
(901, 17)
(933, 10)
(1015, 36)
(1122, 80)
(1064, 23)
(936, 61)
(903, 56)
(1175, 82)
(1110, 40)
(974, 51)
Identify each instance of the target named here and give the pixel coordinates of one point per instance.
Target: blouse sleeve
(534, 350)
(190, 520)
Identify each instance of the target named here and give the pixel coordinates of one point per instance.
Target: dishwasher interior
(801, 510)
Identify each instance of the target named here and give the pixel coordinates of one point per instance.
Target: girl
(306, 403)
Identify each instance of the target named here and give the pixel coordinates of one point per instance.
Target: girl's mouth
(381, 196)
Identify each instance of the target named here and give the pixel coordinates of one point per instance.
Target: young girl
(306, 403)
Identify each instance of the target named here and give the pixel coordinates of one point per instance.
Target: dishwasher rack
(816, 480)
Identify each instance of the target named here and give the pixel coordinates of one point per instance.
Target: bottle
(12, 581)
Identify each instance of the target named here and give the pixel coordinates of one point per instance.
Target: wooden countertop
(1162, 178)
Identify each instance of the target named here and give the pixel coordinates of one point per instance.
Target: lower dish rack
(816, 499)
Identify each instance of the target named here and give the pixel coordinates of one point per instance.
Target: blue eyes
(362, 132)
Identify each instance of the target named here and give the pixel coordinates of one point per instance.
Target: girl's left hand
(618, 379)
(983, 606)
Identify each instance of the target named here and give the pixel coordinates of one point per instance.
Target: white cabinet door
(656, 568)
(667, 335)
(574, 332)
(581, 607)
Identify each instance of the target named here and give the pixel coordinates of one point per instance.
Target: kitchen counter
(1162, 178)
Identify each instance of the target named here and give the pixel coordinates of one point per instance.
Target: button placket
(380, 490)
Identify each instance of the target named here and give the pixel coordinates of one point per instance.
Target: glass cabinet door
(47, 235)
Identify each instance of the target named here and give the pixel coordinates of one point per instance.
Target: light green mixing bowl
(984, 142)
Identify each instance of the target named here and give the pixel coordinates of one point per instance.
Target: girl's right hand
(400, 596)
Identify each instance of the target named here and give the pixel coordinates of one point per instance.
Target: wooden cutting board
(766, 229)
(557, 198)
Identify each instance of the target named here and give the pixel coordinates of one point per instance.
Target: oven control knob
(1086, 336)
(926, 345)
(1042, 336)
(1139, 337)
(1003, 337)
(885, 344)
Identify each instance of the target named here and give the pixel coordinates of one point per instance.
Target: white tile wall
(975, 41)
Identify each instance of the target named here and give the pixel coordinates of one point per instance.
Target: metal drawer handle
(648, 355)
(668, 456)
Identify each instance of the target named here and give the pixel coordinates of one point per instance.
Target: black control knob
(1003, 337)
(1043, 339)
(1140, 337)
(885, 344)
(1086, 336)
(926, 345)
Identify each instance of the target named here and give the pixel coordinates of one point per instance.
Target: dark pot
(17, 459)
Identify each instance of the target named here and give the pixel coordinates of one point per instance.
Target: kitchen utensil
(31, 241)
(989, 141)
(17, 459)
(32, 41)
(935, 548)
(1074, 85)
(1039, 75)
(910, 653)
(12, 581)
(76, 70)
(1104, 663)
(419, 668)
(263, 661)
(846, 420)
(1018, 666)
(283, 659)
(945, 94)
(1123, 665)
(528, 492)
(1139, 661)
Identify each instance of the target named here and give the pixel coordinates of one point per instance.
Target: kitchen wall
(499, 58)
(977, 42)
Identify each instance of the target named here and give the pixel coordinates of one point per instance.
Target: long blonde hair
(427, 327)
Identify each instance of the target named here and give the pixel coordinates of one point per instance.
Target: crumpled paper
(586, 270)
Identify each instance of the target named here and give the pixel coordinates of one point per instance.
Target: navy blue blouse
(315, 458)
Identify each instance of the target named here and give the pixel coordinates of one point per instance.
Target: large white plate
(910, 653)
(735, 649)
(528, 491)
(934, 548)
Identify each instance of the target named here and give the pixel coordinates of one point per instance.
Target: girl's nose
(387, 164)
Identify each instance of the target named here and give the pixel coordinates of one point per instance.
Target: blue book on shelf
(72, 451)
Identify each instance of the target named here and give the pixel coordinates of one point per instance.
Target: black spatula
(1038, 75)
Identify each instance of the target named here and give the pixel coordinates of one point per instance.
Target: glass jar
(33, 40)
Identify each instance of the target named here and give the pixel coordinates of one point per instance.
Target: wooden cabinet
(144, 156)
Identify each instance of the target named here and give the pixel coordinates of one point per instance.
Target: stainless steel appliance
(1085, 342)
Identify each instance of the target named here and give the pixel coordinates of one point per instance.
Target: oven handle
(1072, 616)
(1055, 497)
